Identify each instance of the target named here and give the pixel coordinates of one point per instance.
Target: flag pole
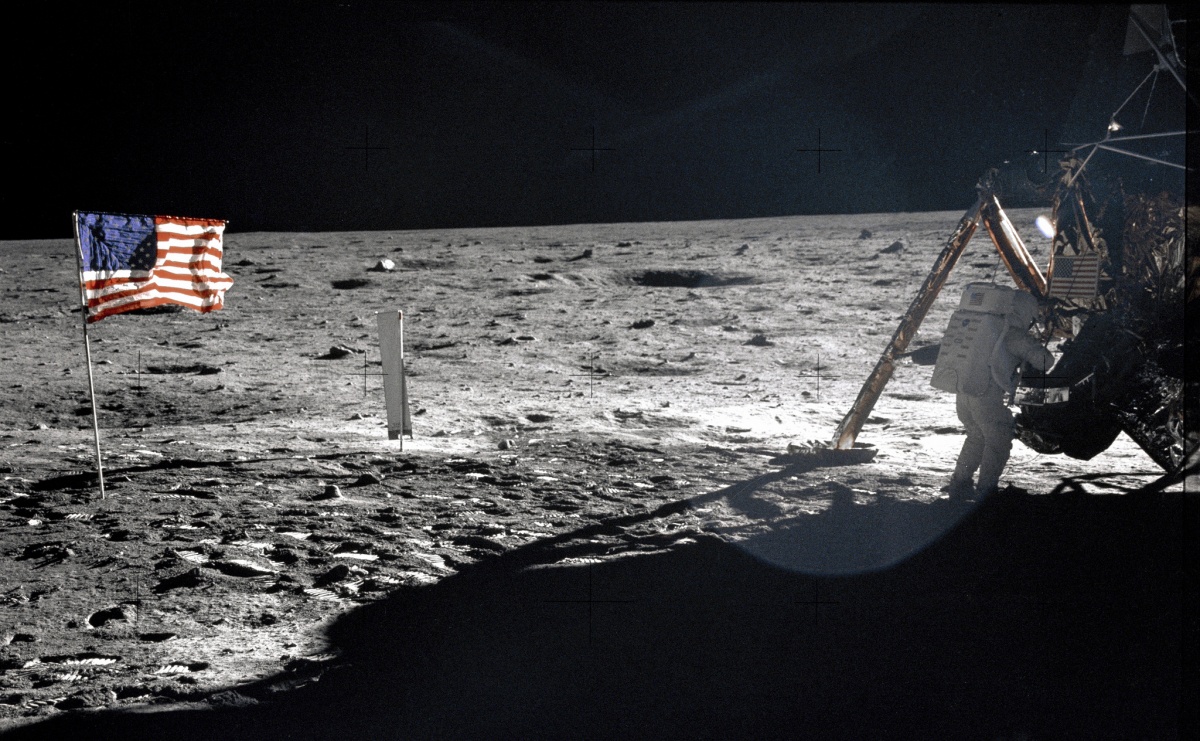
(87, 346)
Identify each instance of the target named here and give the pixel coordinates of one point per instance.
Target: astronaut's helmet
(1024, 310)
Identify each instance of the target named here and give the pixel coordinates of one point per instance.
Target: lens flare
(1045, 226)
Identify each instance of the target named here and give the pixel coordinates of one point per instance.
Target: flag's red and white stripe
(187, 271)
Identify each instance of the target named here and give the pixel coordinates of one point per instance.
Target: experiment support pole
(87, 346)
(848, 430)
(395, 385)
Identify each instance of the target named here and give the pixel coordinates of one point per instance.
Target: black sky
(478, 114)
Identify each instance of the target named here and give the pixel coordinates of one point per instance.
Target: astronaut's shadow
(845, 534)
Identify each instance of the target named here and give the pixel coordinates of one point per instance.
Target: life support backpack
(979, 323)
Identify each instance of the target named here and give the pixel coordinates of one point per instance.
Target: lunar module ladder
(1016, 258)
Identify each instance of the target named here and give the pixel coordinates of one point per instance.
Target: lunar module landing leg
(1020, 266)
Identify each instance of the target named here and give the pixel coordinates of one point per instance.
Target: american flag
(1075, 277)
(135, 262)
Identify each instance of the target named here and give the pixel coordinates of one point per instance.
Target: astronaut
(982, 407)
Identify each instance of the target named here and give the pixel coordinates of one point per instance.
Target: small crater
(689, 279)
(199, 369)
(156, 637)
(101, 617)
(349, 283)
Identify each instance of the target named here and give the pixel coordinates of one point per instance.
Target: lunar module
(1117, 295)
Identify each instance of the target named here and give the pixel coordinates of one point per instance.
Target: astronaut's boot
(959, 487)
(969, 457)
(989, 477)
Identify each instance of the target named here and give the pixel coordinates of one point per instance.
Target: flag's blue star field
(123, 243)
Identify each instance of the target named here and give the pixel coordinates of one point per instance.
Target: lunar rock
(339, 351)
(331, 492)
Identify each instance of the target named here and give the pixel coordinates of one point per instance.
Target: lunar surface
(589, 534)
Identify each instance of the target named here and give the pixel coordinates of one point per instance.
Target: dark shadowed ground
(1035, 617)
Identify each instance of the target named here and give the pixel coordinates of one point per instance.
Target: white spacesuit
(981, 402)
(981, 354)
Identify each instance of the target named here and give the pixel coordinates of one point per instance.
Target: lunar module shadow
(1032, 617)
